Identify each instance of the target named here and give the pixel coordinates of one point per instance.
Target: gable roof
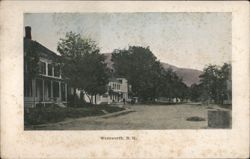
(41, 50)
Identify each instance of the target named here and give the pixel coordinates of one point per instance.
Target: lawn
(54, 113)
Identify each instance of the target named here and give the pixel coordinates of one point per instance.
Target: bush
(195, 118)
(77, 102)
(53, 113)
(41, 114)
(110, 109)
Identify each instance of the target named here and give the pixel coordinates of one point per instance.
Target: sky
(188, 40)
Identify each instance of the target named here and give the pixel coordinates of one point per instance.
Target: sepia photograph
(127, 71)
(124, 79)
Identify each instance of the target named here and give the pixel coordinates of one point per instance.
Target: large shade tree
(83, 65)
(216, 83)
(195, 92)
(140, 67)
(171, 86)
(144, 72)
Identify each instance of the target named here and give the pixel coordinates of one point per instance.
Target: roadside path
(149, 117)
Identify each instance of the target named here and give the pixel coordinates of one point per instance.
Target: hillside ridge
(189, 76)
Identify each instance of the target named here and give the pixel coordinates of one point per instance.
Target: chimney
(28, 32)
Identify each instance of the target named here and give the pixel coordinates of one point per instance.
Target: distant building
(117, 92)
(48, 86)
(118, 89)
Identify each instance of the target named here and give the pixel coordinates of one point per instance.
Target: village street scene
(120, 71)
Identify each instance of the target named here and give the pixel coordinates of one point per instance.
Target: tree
(83, 65)
(166, 84)
(172, 86)
(140, 67)
(225, 81)
(182, 90)
(215, 82)
(195, 92)
(144, 72)
(209, 80)
(94, 75)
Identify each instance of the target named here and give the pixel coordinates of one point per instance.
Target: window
(55, 89)
(57, 71)
(50, 69)
(42, 68)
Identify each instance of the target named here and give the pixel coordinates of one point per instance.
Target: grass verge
(54, 113)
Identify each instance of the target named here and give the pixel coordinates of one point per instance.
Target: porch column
(46, 68)
(34, 91)
(66, 92)
(60, 93)
(43, 92)
(51, 89)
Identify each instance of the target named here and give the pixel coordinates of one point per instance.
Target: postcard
(124, 79)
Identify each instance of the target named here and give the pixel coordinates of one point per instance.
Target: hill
(189, 76)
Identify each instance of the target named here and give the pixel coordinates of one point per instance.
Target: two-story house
(47, 86)
(117, 91)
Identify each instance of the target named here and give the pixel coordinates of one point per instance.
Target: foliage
(83, 65)
(94, 74)
(75, 102)
(195, 118)
(215, 84)
(140, 67)
(41, 114)
(171, 86)
(195, 92)
(52, 113)
(146, 75)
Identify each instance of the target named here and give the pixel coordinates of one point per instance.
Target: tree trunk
(91, 101)
(74, 101)
(89, 98)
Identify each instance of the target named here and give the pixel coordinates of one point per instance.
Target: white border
(151, 143)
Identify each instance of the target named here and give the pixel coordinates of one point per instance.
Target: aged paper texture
(17, 141)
